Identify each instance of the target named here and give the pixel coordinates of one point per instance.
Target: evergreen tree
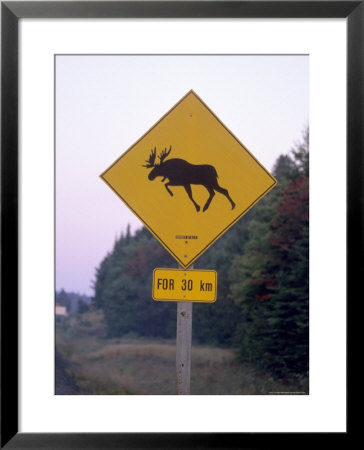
(82, 306)
(270, 281)
(216, 323)
(123, 288)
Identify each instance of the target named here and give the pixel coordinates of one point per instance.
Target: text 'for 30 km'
(186, 285)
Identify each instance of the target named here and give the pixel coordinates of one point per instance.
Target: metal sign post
(183, 348)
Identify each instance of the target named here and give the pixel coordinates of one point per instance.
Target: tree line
(262, 264)
(73, 302)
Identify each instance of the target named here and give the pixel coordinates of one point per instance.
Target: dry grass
(115, 351)
(138, 366)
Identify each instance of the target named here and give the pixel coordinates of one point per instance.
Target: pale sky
(104, 104)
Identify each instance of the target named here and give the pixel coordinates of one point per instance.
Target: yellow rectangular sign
(184, 285)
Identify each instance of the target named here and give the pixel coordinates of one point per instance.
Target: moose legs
(226, 193)
(212, 193)
(189, 193)
(168, 190)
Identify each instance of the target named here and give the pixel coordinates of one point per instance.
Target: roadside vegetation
(97, 365)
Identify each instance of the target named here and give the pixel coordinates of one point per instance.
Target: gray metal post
(183, 350)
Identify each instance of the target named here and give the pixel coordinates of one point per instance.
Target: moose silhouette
(181, 173)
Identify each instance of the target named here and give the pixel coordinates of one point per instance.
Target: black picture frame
(11, 12)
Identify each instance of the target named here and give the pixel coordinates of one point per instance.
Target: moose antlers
(151, 161)
(162, 156)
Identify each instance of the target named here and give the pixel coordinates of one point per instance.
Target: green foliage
(216, 323)
(123, 288)
(270, 281)
(82, 307)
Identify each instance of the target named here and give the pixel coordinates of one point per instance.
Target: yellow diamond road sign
(188, 179)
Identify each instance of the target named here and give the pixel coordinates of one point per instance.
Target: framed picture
(42, 45)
